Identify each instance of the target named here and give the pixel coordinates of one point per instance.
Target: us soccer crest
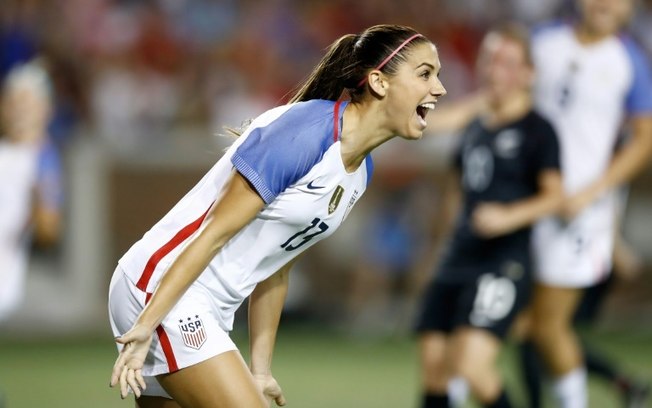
(335, 199)
(192, 332)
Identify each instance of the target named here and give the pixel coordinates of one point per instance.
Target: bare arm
(627, 163)
(236, 207)
(494, 219)
(47, 225)
(265, 307)
(453, 116)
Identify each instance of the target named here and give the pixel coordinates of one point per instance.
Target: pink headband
(390, 56)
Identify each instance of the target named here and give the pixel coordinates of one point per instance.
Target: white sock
(458, 391)
(570, 390)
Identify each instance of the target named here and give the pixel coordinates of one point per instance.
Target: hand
(128, 366)
(575, 203)
(492, 219)
(270, 388)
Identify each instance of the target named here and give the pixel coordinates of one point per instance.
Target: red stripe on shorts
(165, 342)
(181, 236)
(167, 349)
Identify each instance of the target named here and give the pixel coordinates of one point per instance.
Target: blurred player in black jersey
(509, 160)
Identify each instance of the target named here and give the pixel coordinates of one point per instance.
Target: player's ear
(377, 82)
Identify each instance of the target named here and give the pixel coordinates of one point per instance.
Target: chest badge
(335, 199)
(507, 143)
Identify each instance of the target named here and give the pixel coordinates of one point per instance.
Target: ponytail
(329, 78)
(349, 59)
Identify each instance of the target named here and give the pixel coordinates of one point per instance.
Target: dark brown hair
(350, 58)
(517, 33)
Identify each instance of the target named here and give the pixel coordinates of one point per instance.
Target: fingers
(117, 370)
(276, 393)
(141, 380)
(132, 382)
(131, 379)
(123, 383)
(280, 400)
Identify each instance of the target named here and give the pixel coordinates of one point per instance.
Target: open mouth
(422, 110)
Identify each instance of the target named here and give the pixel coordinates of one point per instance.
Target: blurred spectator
(30, 185)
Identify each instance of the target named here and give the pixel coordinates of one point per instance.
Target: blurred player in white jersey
(30, 184)
(30, 194)
(590, 79)
(288, 181)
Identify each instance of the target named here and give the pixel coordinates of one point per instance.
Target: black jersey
(497, 165)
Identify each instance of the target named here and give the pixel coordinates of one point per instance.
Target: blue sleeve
(275, 156)
(49, 186)
(639, 98)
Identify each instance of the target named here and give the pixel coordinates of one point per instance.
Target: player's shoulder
(538, 124)
(633, 49)
(307, 124)
(536, 118)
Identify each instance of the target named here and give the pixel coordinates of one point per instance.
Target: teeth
(429, 105)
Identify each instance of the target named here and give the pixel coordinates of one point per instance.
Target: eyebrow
(426, 64)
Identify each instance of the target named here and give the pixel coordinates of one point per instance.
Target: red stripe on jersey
(181, 236)
(167, 349)
(336, 120)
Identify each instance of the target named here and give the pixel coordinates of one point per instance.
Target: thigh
(223, 381)
(435, 361)
(554, 306)
(474, 349)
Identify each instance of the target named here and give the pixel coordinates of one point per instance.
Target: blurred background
(141, 92)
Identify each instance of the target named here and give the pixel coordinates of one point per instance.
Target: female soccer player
(589, 79)
(509, 159)
(288, 181)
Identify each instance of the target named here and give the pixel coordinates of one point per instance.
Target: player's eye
(425, 74)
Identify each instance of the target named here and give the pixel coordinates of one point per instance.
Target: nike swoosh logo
(313, 187)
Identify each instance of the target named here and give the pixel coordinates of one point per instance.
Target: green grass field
(317, 368)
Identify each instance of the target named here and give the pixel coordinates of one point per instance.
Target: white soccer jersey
(291, 155)
(586, 91)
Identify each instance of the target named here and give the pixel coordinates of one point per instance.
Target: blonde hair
(31, 75)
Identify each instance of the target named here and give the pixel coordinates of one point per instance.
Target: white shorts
(188, 335)
(571, 256)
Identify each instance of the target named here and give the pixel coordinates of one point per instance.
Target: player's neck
(585, 35)
(361, 133)
(507, 110)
